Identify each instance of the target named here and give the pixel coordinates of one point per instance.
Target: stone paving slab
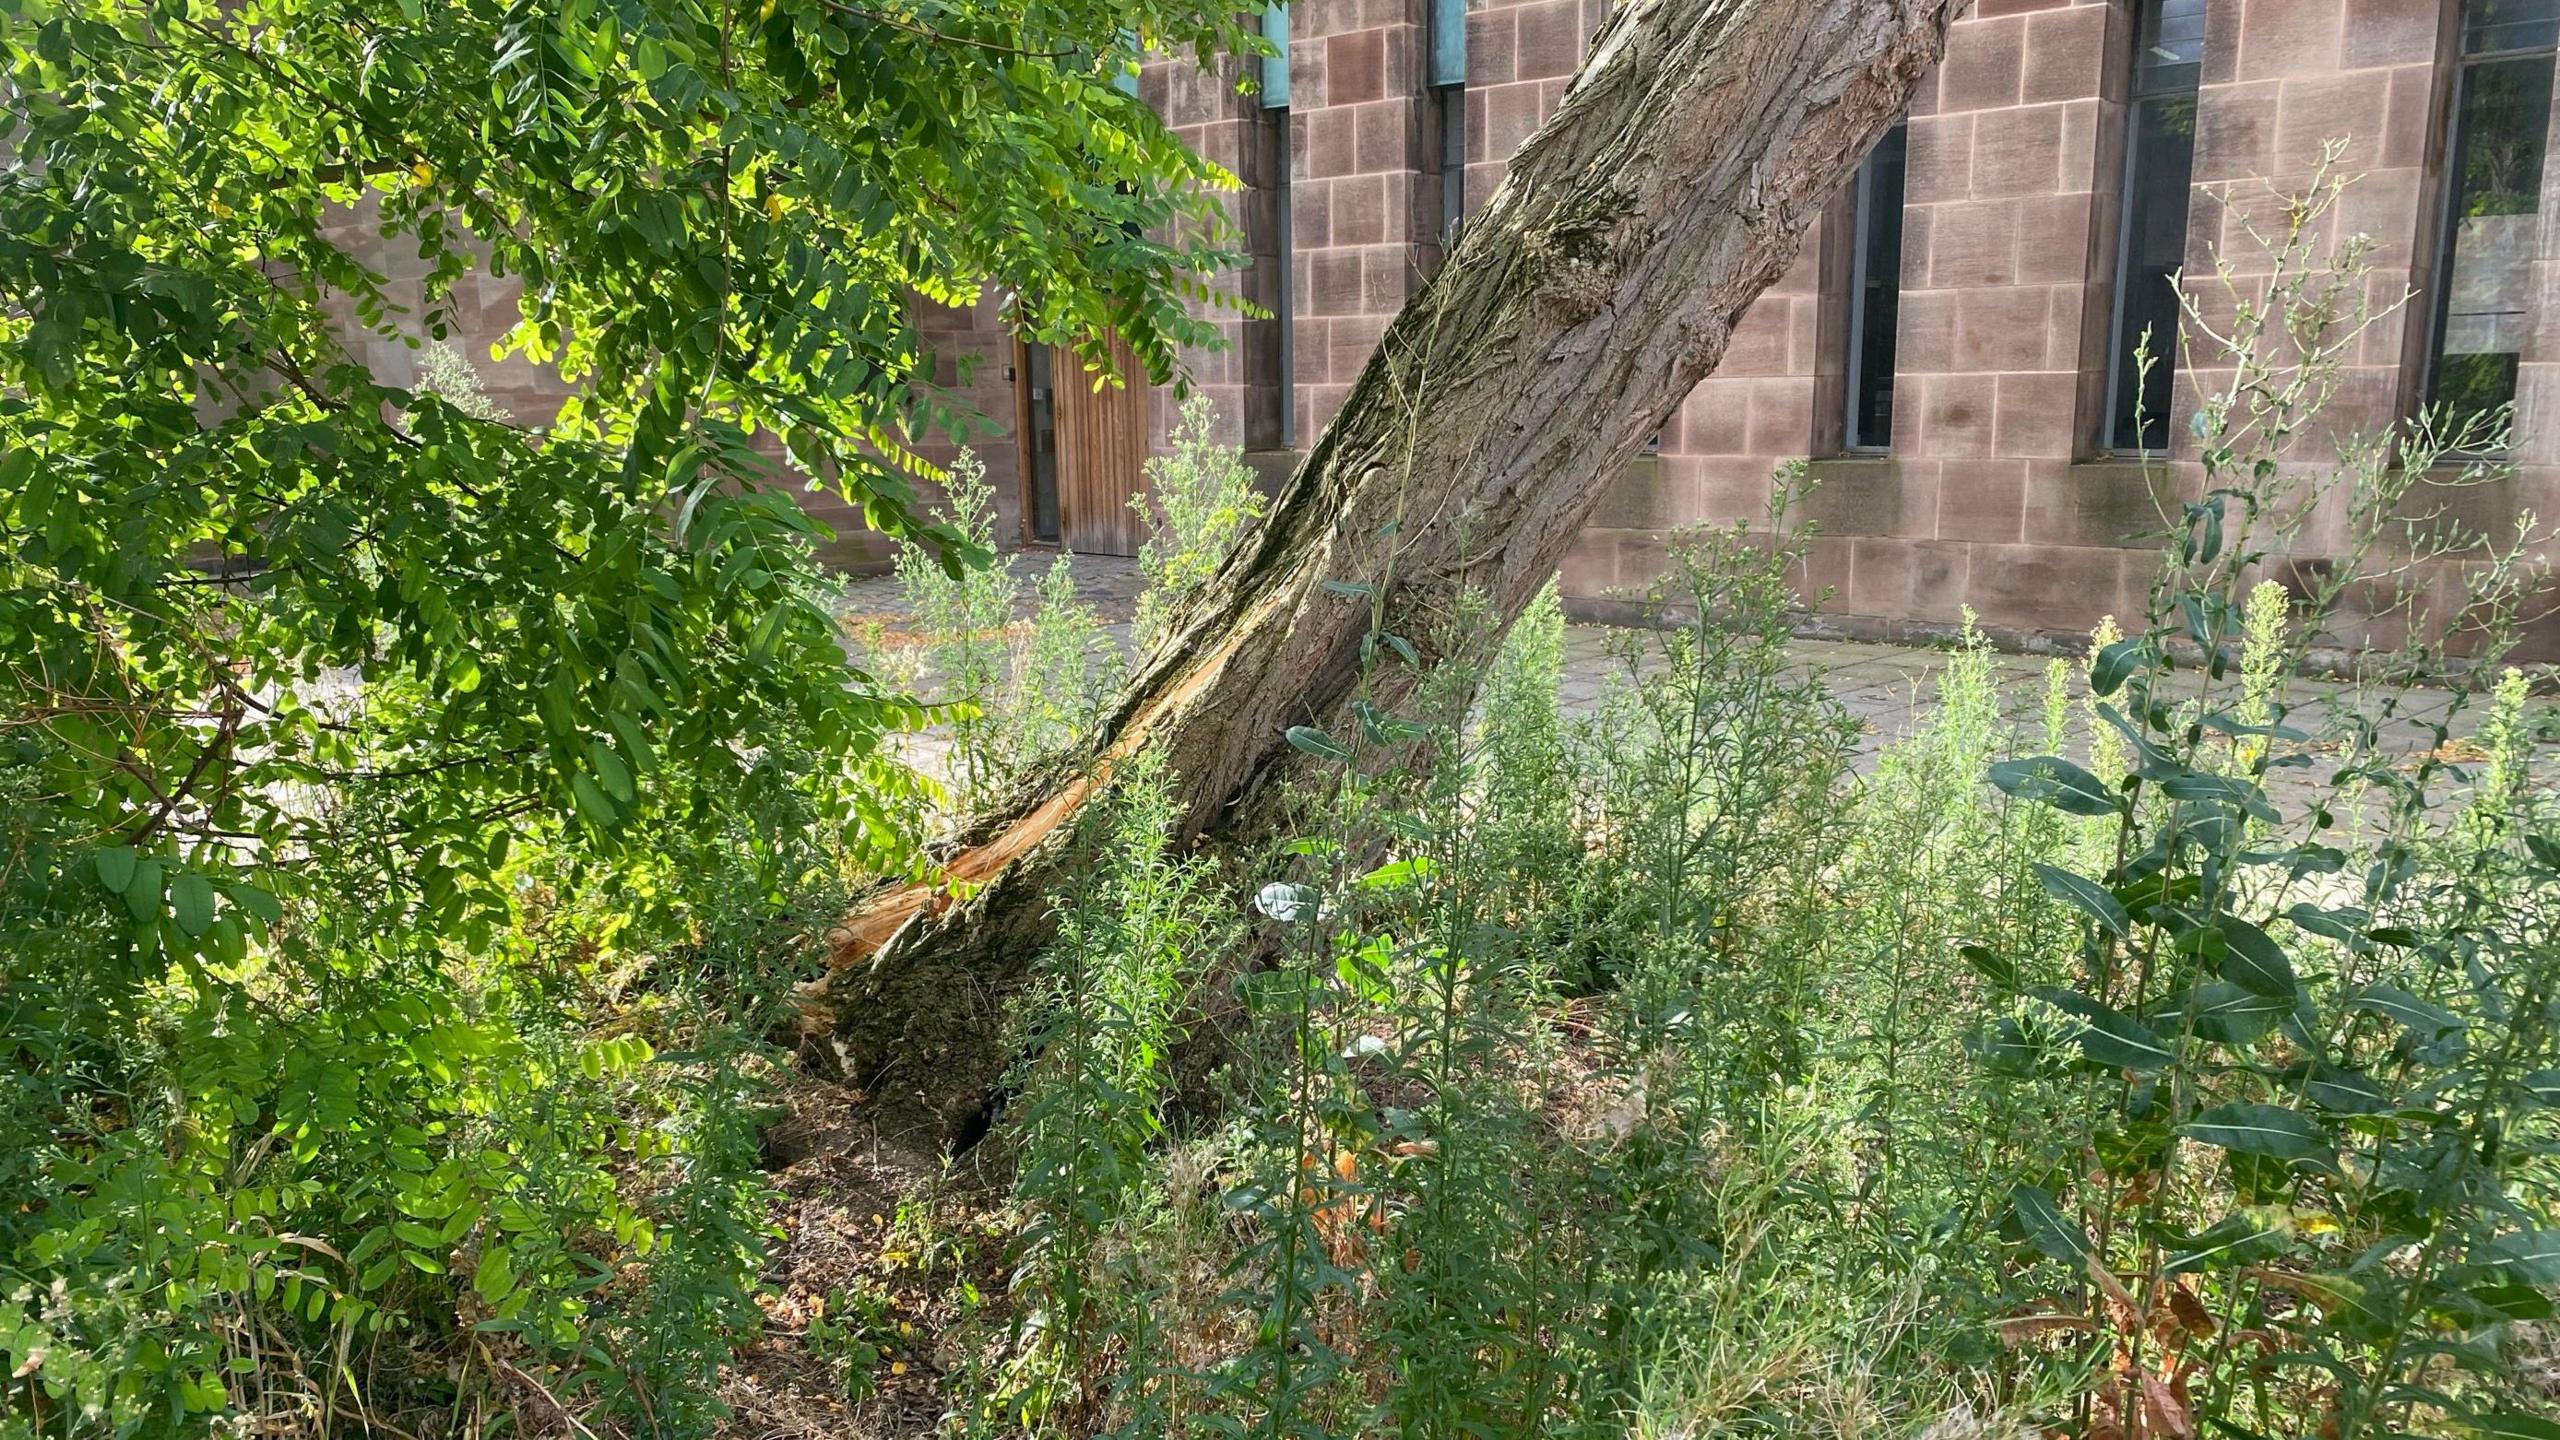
(1888, 688)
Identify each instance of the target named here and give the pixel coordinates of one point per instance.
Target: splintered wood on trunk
(1597, 287)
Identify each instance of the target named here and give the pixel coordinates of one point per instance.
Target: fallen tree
(1598, 286)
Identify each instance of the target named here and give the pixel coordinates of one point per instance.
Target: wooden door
(1101, 453)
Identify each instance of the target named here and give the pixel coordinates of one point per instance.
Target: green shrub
(1199, 501)
(1101, 1029)
(962, 615)
(1065, 672)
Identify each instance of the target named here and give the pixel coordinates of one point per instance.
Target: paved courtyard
(1887, 687)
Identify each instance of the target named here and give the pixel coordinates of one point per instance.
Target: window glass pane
(1275, 68)
(2171, 48)
(2491, 26)
(2502, 121)
(1448, 43)
(2158, 162)
(1453, 160)
(1875, 279)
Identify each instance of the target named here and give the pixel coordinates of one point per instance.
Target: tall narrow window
(2501, 129)
(1446, 75)
(1286, 312)
(1283, 251)
(1453, 160)
(1875, 293)
(2160, 145)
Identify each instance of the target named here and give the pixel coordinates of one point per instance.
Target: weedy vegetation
(2179, 1058)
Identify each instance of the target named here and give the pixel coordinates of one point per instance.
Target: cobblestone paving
(1887, 687)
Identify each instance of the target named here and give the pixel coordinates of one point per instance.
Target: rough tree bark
(1596, 289)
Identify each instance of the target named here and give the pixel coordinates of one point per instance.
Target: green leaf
(2513, 1425)
(610, 769)
(2533, 1256)
(2512, 1302)
(635, 740)
(142, 892)
(115, 866)
(2403, 1008)
(1317, 743)
(2087, 895)
(2544, 849)
(2232, 1014)
(2045, 1226)
(2115, 664)
(2275, 1131)
(2543, 1086)
(590, 800)
(2223, 790)
(254, 902)
(2343, 925)
(2057, 782)
(2232, 1240)
(2339, 1090)
(191, 902)
(2108, 1037)
(2253, 960)
(2000, 970)
(495, 1275)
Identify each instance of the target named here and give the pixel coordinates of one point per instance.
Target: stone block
(2035, 414)
(1333, 282)
(1781, 416)
(1906, 579)
(1855, 496)
(2018, 152)
(1348, 345)
(1713, 420)
(2391, 32)
(2042, 588)
(1719, 490)
(1387, 279)
(2066, 54)
(2408, 117)
(2235, 131)
(1493, 38)
(1759, 342)
(1954, 416)
(1512, 115)
(1355, 68)
(1360, 210)
(1973, 244)
(2316, 109)
(1925, 332)
(1387, 137)
(2098, 503)
(2281, 38)
(1550, 42)
(1982, 500)
(1822, 575)
(2001, 328)
(2053, 239)
(1331, 144)
(1984, 64)
(1939, 162)
(1635, 500)
(2088, 126)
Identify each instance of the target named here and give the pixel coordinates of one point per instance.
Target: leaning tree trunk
(1596, 289)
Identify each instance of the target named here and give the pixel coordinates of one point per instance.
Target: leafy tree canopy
(215, 519)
